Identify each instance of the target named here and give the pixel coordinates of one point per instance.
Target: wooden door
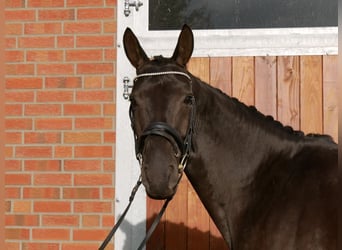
(300, 91)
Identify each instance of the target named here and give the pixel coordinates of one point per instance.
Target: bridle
(169, 133)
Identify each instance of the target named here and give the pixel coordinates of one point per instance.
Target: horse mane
(268, 118)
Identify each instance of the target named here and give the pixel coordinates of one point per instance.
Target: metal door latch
(137, 4)
(127, 88)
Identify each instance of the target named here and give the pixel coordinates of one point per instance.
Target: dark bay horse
(266, 186)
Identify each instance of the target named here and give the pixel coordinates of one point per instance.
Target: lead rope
(116, 226)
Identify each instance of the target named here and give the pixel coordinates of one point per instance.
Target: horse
(265, 185)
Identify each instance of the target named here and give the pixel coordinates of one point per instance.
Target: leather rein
(172, 135)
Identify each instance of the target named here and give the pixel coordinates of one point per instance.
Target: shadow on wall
(172, 236)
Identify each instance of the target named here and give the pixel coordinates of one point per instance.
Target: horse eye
(188, 99)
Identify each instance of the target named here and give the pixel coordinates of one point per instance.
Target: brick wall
(60, 123)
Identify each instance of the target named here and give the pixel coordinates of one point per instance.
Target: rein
(164, 130)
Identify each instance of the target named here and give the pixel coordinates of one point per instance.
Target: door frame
(247, 42)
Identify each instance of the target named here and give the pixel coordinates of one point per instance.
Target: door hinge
(136, 3)
(127, 87)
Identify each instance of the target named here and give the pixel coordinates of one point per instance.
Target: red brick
(84, 55)
(17, 179)
(21, 97)
(110, 54)
(12, 193)
(19, 69)
(12, 245)
(96, 13)
(52, 207)
(33, 152)
(93, 82)
(84, 3)
(81, 28)
(81, 193)
(42, 28)
(109, 137)
(44, 55)
(21, 206)
(90, 220)
(82, 137)
(110, 27)
(9, 152)
(55, 69)
(82, 109)
(55, 96)
(18, 123)
(43, 109)
(89, 234)
(83, 246)
(111, 2)
(63, 82)
(93, 151)
(108, 193)
(14, 3)
(109, 166)
(13, 109)
(37, 42)
(13, 137)
(63, 152)
(92, 95)
(45, 3)
(108, 221)
(110, 82)
(21, 220)
(42, 137)
(12, 165)
(95, 41)
(65, 42)
(60, 220)
(10, 43)
(109, 109)
(82, 165)
(42, 165)
(50, 234)
(95, 68)
(53, 123)
(41, 193)
(14, 56)
(94, 123)
(24, 83)
(92, 207)
(20, 15)
(93, 179)
(17, 233)
(51, 179)
(59, 14)
(13, 29)
(40, 246)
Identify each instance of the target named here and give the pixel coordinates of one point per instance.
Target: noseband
(172, 135)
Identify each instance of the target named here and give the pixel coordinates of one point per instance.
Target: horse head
(162, 113)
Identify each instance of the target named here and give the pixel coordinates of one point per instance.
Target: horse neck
(228, 153)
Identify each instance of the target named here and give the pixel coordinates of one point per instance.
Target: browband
(162, 73)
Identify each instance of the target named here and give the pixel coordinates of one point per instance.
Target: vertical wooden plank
(220, 77)
(176, 218)
(288, 90)
(243, 79)
(198, 218)
(330, 92)
(221, 73)
(266, 85)
(157, 240)
(311, 102)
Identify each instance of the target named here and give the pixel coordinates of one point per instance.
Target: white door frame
(246, 42)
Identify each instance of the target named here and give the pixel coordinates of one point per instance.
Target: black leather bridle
(172, 135)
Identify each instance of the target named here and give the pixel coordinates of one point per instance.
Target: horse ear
(134, 52)
(185, 46)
